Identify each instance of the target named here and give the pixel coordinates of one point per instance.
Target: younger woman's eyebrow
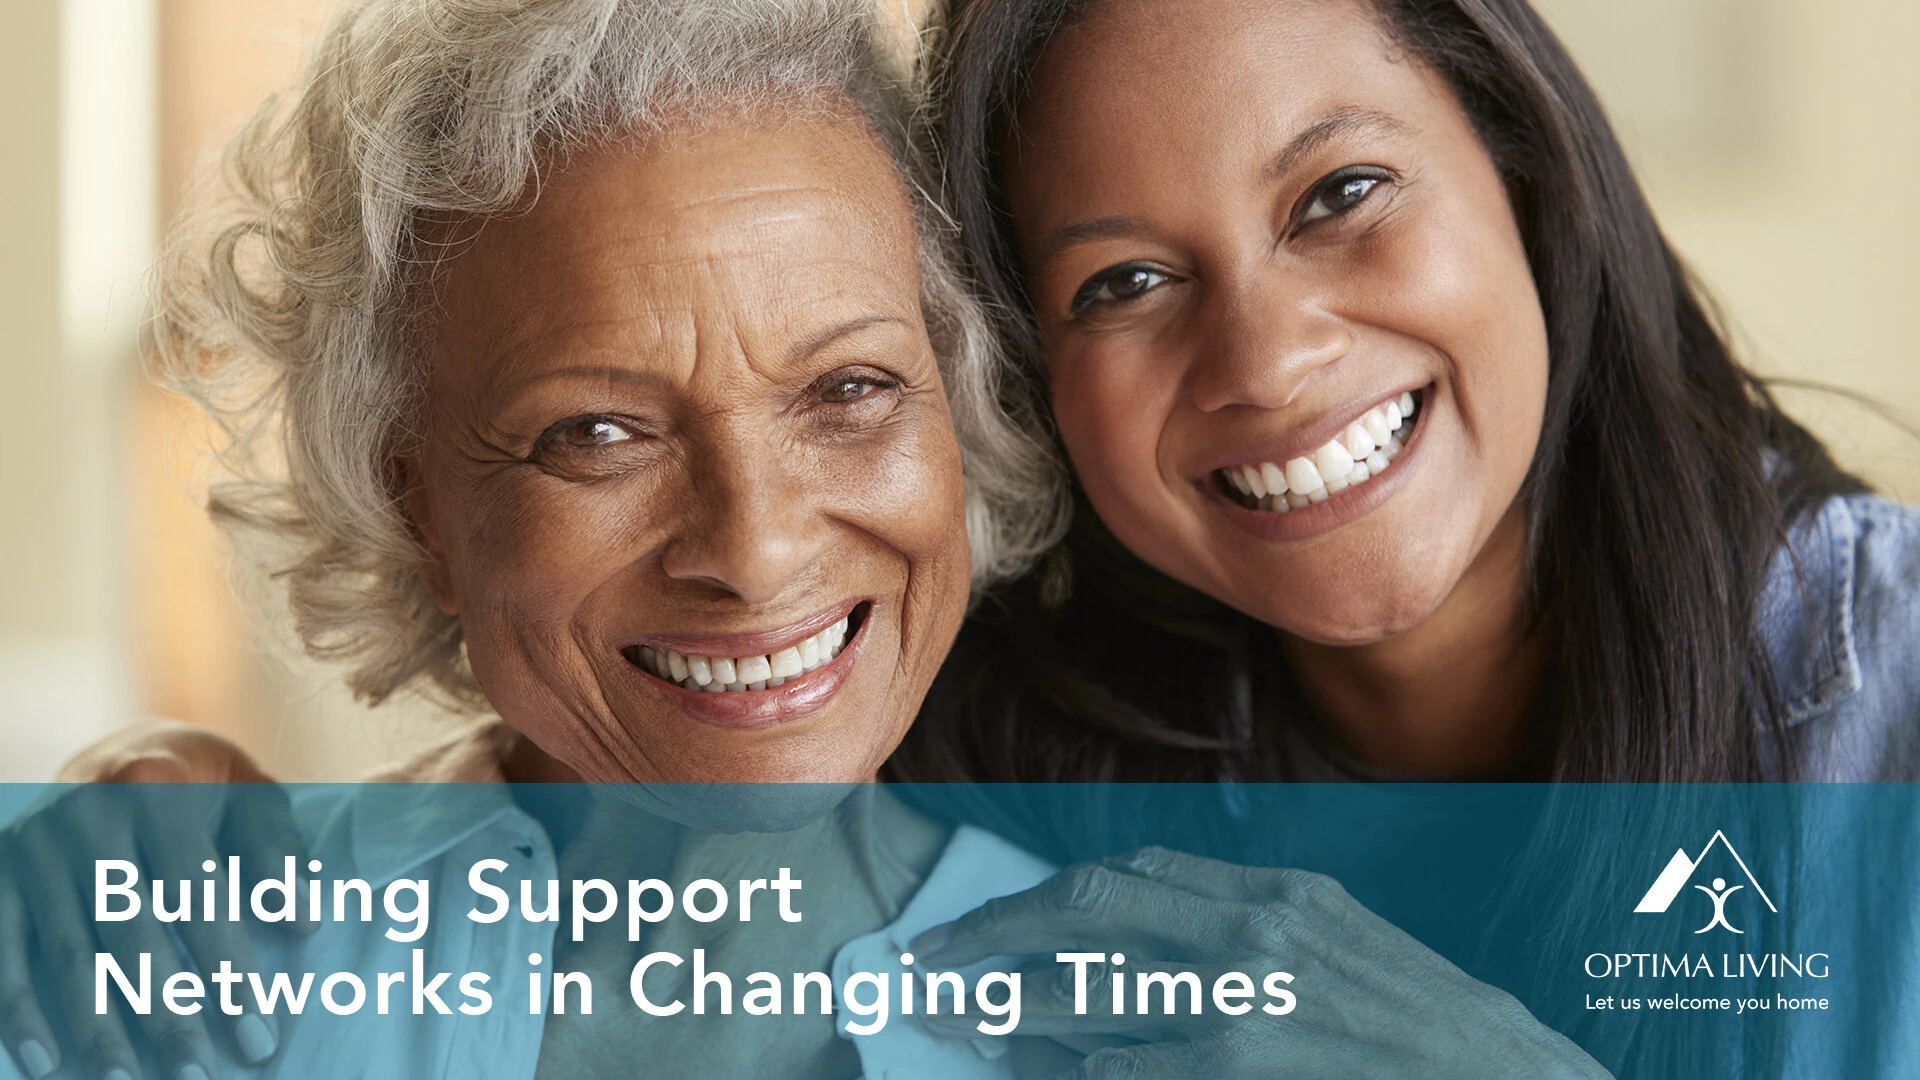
(1081, 232)
(1345, 120)
(1341, 121)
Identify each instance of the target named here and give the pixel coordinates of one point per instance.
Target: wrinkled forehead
(760, 225)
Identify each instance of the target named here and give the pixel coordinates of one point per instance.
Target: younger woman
(1404, 445)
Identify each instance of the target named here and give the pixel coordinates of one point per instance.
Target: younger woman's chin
(1344, 615)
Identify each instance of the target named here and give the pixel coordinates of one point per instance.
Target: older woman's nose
(753, 532)
(1262, 347)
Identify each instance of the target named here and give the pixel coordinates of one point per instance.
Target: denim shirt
(1841, 618)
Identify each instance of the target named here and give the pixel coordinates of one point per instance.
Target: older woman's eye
(1117, 286)
(847, 391)
(587, 432)
(585, 447)
(1340, 193)
(595, 433)
(850, 385)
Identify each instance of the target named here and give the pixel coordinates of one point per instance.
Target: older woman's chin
(752, 788)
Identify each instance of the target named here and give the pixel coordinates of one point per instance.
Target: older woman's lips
(760, 680)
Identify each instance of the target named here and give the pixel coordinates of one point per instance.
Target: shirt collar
(1806, 614)
(444, 795)
(396, 828)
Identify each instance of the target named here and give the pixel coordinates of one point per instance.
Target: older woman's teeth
(718, 674)
(1359, 453)
(753, 669)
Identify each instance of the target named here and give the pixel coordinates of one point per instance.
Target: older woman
(622, 393)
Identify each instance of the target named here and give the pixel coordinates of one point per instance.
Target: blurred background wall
(1774, 137)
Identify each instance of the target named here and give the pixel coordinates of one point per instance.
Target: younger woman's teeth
(1353, 457)
(718, 674)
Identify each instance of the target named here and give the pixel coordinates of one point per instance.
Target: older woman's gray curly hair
(286, 310)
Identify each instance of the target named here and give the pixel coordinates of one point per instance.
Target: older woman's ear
(432, 567)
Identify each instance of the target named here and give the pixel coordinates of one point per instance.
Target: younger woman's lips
(797, 699)
(1346, 507)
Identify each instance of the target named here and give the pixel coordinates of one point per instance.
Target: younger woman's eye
(1340, 193)
(1117, 286)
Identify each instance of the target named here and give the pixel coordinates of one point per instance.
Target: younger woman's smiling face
(1258, 236)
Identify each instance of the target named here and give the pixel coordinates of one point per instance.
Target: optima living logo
(1679, 873)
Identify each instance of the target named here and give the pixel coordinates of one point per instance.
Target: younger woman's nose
(1260, 347)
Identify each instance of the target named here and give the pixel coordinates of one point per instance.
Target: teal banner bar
(964, 930)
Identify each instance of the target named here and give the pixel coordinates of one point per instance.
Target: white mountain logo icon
(1679, 872)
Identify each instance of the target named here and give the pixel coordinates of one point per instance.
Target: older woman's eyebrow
(635, 376)
(509, 394)
(1346, 120)
(820, 339)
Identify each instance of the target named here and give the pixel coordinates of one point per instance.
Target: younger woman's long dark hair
(1665, 481)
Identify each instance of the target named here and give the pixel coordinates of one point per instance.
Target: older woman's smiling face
(688, 477)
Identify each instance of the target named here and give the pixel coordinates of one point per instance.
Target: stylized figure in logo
(1719, 894)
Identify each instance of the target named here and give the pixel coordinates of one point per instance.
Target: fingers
(1090, 906)
(1152, 1061)
(1224, 880)
(23, 1027)
(67, 947)
(168, 834)
(182, 853)
(1039, 1059)
(1280, 909)
(156, 750)
(150, 770)
(1066, 1000)
(239, 767)
(259, 827)
(179, 1043)
(255, 1036)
